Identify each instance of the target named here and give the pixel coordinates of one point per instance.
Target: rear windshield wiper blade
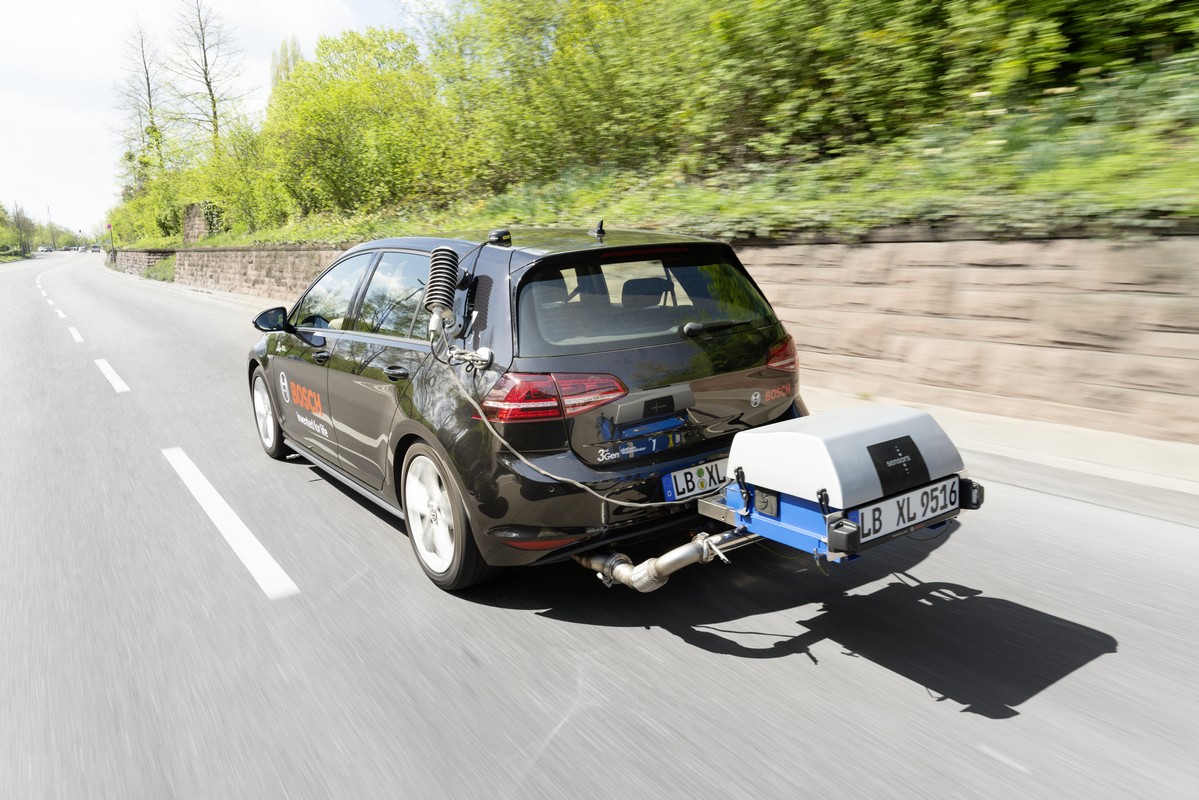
(696, 328)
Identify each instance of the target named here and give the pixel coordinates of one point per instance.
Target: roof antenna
(598, 233)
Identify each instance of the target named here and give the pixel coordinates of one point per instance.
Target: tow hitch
(832, 485)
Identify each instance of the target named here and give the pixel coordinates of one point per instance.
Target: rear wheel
(270, 435)
(436, 523)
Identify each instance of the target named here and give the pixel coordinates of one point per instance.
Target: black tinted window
(328, 301)
(393, 299)
(609, 305)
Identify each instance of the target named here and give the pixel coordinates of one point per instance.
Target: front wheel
(270, 435)
(436, 523)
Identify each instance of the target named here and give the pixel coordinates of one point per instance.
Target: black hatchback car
(529, 397)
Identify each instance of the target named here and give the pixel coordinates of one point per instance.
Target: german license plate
(908, 511)
(701, 478)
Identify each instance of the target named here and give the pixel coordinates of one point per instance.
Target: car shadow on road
(985, 653)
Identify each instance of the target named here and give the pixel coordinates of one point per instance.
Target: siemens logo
(895, 462)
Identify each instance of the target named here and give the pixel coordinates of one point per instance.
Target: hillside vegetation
(735, 118)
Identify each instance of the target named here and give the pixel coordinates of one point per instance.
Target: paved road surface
(1048, 649)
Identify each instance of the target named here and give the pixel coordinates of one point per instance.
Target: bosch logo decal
(306, 399)
(778, 392)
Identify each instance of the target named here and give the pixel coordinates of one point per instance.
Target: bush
(163, 270)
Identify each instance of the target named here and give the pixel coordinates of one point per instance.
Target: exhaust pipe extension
(653, 573)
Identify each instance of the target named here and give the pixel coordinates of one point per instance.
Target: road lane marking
(61, 315)
(48, 300)
(75, 335)
(270, 576)
(43, 293)
(1001, 758)
(112, 375)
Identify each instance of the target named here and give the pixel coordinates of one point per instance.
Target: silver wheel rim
(429, 514)
(263, 415)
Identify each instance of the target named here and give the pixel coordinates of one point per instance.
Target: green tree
(141, 97)
(237, 181)
(10, 238)
(284, 60)
(361, 126)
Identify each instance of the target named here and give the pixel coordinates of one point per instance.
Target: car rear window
(618, 303)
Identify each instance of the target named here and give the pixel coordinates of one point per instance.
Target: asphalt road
(1048, 649)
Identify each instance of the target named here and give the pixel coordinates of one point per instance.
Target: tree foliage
(500, 93)
(284, 60)
(361, 126)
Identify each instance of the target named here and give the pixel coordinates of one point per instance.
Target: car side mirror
(271, 320)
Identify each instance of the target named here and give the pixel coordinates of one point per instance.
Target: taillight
(783, 356)
(584, 392)
(536, 397)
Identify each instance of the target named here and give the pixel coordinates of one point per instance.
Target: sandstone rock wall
(138, 261)
(1088, 332)
(281, 272)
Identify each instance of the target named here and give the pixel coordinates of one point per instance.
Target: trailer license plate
(908, 511)
(694, 480)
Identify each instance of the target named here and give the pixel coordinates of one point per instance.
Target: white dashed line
(258, 561)
(75, 335)
(61, 315)
(112, 376)
(43, 294)
(48, 300)
(1001, 758)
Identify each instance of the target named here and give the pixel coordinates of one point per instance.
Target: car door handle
(321, 356)
(396, 373)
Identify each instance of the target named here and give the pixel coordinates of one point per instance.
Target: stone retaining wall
(1094, 333)
(1088, 332)
(280, 272)
(137, 262)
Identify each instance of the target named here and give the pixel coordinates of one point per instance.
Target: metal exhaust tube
(653, 573)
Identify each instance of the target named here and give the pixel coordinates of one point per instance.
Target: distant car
(95, 248)
(623, 363)
(45, 249)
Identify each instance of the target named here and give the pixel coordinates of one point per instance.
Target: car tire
(270, 435)
(436, 522)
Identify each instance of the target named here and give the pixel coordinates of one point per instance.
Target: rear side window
(611, 305)
(392, 304)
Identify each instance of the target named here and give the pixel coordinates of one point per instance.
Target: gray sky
(60, 63)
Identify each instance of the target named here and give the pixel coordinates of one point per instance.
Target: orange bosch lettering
(305, 398)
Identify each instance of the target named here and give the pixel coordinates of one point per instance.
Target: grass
(163, 270)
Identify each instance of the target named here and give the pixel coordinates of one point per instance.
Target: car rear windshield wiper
(696, 328)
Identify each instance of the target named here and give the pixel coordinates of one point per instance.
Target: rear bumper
(519, 516)
(528, 518)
